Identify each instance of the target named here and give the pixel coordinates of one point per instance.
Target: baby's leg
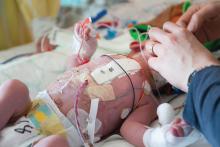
(53, 141)
(14, 101)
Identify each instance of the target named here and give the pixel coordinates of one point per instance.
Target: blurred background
(22, 21)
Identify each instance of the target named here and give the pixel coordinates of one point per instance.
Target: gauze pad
(104, 92)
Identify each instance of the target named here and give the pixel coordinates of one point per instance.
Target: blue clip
(111, 34)
(99, 15)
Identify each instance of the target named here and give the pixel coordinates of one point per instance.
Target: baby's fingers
(87, 33)
(78, 30)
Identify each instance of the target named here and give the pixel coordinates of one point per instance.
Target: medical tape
(105, 92)
(92, 119)
(129, 78)
(112, 70)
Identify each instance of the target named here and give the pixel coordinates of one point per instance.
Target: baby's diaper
(43, 119)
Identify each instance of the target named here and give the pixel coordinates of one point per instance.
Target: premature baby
(87, 103)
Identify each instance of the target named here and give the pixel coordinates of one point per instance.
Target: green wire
(186, 5)
(142, 28)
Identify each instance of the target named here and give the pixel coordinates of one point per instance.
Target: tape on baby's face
(111, 70)
(83, 120)
(104, 92)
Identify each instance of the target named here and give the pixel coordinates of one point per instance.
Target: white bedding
(6, 54)
(36, 71)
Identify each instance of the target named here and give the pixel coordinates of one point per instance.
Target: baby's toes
(177, 131)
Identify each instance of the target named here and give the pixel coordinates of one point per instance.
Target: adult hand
(203, 20)
(177, 54)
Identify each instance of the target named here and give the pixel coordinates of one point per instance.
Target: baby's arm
(135, 125)
(14, 101)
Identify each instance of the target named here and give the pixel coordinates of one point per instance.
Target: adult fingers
(200, 16)
(186, 17)
(154, 48)
(158, 35)
(171, 27)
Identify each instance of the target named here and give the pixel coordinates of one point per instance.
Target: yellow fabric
(40, 116)
(16, 18)
(45, 119)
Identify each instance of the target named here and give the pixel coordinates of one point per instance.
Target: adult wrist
(202, 64)
(194, 73)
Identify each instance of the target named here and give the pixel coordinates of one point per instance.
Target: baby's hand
(84, 31)
(85, 37)
(84, 44)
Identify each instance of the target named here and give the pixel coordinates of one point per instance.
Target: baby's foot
(181, 134)
(177, 134)
(180, 128)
